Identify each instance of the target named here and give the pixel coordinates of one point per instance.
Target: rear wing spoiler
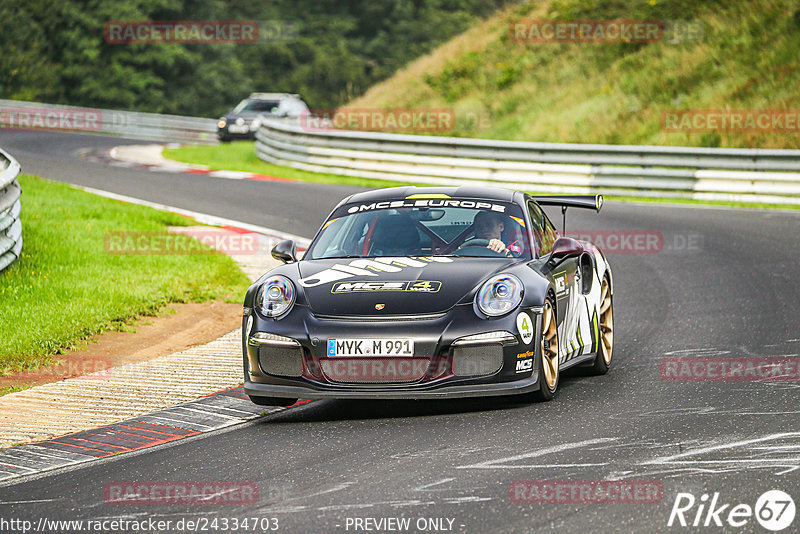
(592, 202)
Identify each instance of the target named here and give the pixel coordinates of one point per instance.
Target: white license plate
(238, 128)
(371, 347)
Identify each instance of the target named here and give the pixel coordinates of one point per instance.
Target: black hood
(355, 287)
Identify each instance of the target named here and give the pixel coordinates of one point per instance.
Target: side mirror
(565, 247)
(285, 251)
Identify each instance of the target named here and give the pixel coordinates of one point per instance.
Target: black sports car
(429, 292)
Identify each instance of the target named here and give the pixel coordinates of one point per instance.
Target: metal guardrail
(748, 175)
(10, 207)
(15, 114)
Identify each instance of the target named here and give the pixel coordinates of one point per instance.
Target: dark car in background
(243, 121)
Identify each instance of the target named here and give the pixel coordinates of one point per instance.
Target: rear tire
(549, 373)
(605, 326)
(272, 401)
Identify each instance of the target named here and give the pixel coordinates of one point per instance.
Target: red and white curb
(219, 410)
(149, 157)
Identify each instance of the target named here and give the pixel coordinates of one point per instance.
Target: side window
(550, 235)
(537, 230)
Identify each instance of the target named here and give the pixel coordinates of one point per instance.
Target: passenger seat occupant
(395, 235)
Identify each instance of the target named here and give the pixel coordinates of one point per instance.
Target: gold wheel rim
(549, 347)
(606, 321)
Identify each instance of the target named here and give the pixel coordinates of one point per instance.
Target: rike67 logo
(774, 510)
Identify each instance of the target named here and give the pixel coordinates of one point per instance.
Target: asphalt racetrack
(702, 283)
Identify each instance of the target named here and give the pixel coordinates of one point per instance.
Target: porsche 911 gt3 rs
(429, 292)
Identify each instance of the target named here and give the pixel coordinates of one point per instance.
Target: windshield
(264, 106)
(463, 227)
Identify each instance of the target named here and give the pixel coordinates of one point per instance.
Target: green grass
(240, 156)
(748, 58)
(5, 390)
(65, 287)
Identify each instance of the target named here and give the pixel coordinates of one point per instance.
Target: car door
(566, 281)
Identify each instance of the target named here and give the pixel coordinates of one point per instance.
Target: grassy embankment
(746, 56)
(65, 287)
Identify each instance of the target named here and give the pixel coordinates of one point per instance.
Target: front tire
(548, 354)
(605, 324)
(272, 401)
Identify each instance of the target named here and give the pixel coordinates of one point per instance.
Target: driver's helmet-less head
(488, 225)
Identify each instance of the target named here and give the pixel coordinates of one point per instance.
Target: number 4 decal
(525, 327)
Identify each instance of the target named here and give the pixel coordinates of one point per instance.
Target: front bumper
(224, 133)
(443, 391)
(516, 373)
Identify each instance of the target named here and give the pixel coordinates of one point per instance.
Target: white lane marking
(200, 217)
(288, 508)
(471, 498)
(283, 509)
(493, 464)
(677, 458)
(723, 446)
(780, 461)
(28, 502)
(426, 486)
(338, 487)
(396, 504)
(789, 470)
(764, 413)
(218, 494)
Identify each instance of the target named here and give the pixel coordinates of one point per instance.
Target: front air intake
(281, 361)
(477, 360)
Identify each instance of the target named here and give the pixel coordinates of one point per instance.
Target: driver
(490, 226)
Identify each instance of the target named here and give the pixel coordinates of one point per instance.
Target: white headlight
(255, 124)
(275, 296)
(499, 295)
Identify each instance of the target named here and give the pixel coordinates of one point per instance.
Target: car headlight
(275, 296)
(221, 123)
(255, 124)
(499, 295)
